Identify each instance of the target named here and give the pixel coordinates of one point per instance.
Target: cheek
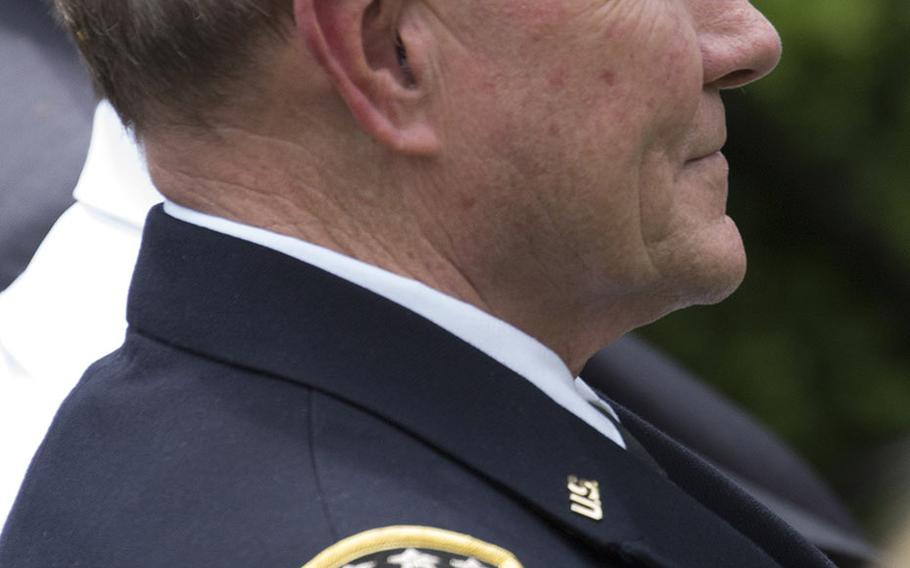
(658, 200)
(671, 84)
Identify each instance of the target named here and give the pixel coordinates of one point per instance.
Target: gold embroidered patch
(413, 547)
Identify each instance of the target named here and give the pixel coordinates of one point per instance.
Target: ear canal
(401, 53)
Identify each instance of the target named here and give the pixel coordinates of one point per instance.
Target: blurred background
(817, 341)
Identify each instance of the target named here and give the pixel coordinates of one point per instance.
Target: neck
(270, 183)
(407, 229)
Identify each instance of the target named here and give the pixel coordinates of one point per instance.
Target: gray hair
(172, 61)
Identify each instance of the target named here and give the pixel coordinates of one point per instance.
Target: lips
(710, 155)
(713, 162)
(717, 154)
(712, 152)
(705, 140)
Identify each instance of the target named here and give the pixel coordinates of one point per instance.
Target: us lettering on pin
(584, 498)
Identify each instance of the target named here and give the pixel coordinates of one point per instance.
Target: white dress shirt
(68, 308)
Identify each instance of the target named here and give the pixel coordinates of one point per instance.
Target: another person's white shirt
(68, 308)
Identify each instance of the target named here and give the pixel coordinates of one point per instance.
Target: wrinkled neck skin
(410, 219)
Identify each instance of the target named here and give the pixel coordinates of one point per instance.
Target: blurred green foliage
(817, 341)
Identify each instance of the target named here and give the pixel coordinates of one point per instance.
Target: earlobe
(360, 46)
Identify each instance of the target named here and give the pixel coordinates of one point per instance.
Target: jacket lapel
(253, 307)
(722, 496)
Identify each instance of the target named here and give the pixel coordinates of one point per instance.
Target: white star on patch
(361, 565)
(467, 563)
(412, 558)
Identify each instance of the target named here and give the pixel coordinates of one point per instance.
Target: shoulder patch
(413, 547)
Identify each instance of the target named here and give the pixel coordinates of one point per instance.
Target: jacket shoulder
(159, 458)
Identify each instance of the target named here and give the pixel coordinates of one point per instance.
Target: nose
(740, 47)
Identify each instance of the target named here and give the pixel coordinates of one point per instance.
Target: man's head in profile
(554, 162)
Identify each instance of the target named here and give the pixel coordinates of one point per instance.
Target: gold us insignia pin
(584, 498)
(413, 547)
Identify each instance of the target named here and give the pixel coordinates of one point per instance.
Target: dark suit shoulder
(162, 458)
(180, 460)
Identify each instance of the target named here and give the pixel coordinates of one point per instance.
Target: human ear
(370, 51)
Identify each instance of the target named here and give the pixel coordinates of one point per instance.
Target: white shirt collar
(498, 339)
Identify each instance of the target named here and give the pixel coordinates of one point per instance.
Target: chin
(706, 268)
(723, 286)
(720, 266)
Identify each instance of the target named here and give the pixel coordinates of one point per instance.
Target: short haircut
(173, 61)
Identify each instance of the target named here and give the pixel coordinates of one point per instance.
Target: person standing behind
(68, 307)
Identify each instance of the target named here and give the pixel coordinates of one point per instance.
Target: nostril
(736, 55)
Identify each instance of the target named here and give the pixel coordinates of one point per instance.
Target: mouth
(715, 155)
(708, 144)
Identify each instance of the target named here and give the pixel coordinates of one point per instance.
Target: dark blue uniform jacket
(261, 409)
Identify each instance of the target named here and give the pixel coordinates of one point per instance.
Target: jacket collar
(248, 306)
(500, 340)
(724, 496)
